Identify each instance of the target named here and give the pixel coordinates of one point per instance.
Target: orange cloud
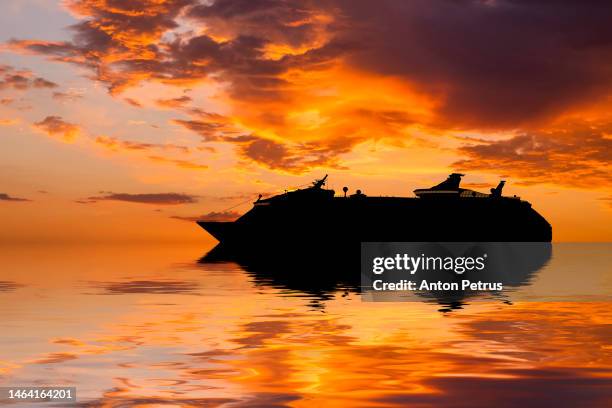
(8, 122)
(55, 126)
(576, 155)
(256, 46)
(236, 50)
(185, 164)
(306, 82)
(115, 144)
(294, 157)
(118, 145)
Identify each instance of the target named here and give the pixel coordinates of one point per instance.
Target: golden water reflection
(136, 326)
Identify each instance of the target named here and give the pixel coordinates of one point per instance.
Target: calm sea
(160, 326)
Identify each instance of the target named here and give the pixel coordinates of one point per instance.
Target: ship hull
(349, 221)
(220, 230)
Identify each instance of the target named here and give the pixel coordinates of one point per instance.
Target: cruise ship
(316, 216)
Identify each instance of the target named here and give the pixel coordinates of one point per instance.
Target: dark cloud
(9, 286)
(268, 152)
(43, 83)
(16, 81)
(209, 130)
(133, 102)
(211, 216)
(58, 127)
(495, 63)
(69, 96)
(6, 197)
(293, 157)
(294, 23)
(577, 155)
(147, 198)
(240, 62)
(61, 50)
(174, 102)
(10, 77)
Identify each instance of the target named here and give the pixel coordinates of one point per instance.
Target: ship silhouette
(315, 216)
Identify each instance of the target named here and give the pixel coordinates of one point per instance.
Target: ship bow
(221, 230)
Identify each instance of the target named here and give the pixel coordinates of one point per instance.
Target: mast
(319, 183)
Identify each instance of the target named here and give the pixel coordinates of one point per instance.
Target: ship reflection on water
(331, 272)
(144, 326)
(320, 276)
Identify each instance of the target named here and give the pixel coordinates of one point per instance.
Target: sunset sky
(125, 120)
